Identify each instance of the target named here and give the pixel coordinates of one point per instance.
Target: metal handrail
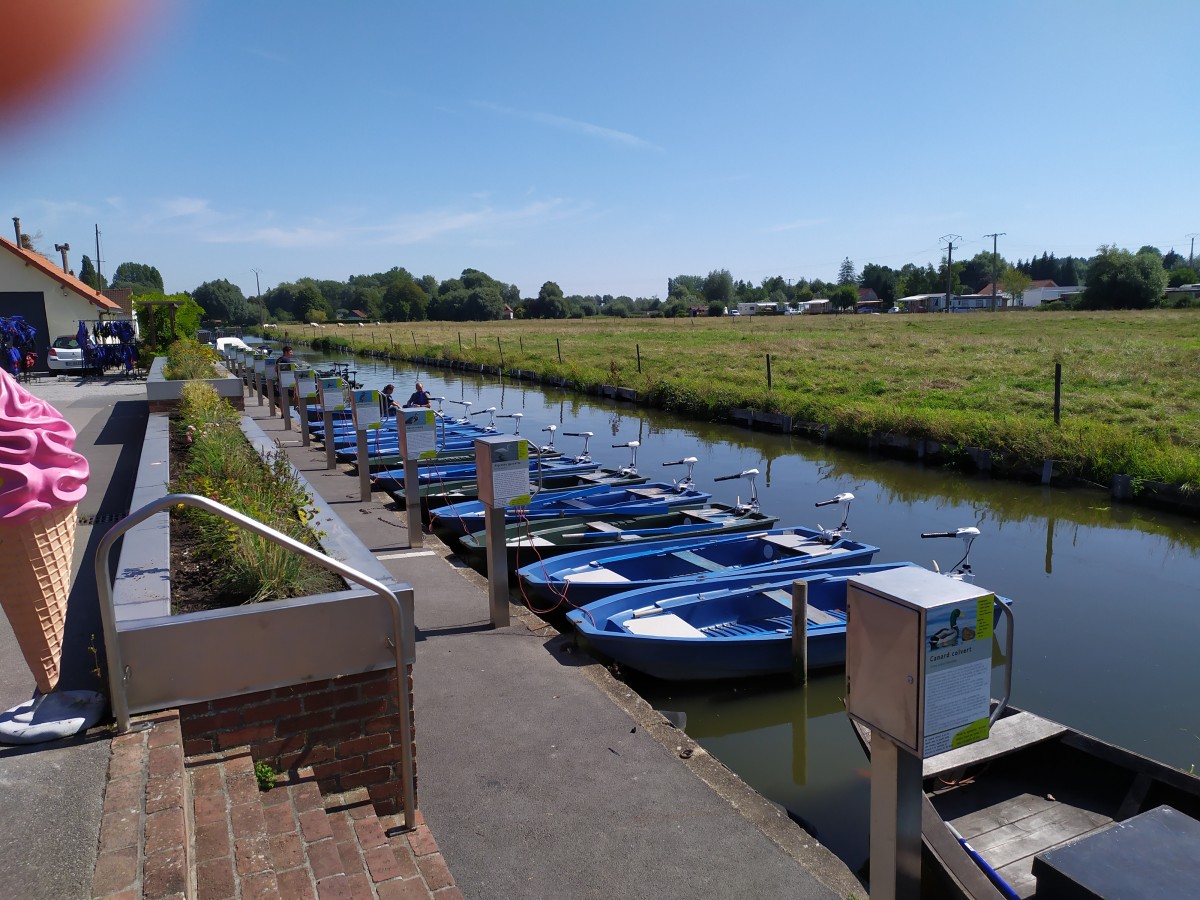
(1008, 666)
(117, 673)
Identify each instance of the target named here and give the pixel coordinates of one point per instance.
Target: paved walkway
(539, 776)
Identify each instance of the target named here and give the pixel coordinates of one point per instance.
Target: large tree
(548, 304)
(881, 279)
(846, 273)
(844, 296)
(1014, 282)
(89, 276)
(223, 301)
(1118, 279)
(140, 277)
(186, 317)
(718, 287)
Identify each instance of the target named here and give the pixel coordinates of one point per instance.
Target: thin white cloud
(182, 207)
(268, 55)
(483, 223)
(575, 126)
(797, 225)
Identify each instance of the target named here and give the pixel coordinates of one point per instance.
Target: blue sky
(609, 146)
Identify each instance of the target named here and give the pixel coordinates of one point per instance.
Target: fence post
(558, 344)
(1057, 391)
(501, 349)
(768, 371)
(414, 337)
(460, 342)
(639, 356)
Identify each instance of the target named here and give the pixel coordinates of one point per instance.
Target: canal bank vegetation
(1130, 396)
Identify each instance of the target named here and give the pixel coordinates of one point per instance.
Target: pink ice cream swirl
(39, 469)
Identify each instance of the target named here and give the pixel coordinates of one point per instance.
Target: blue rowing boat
(734, 627)
(600, 501)
(586, 576)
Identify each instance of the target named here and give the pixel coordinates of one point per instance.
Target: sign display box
(418, 433)
(332, 396)
(919, 658)
(287, 374)
(260, 365)
(366, 410)
(306, 385)
(502, 467)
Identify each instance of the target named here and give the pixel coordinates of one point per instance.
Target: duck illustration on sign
(946, 636)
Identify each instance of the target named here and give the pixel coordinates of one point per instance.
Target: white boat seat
(664, 625)
(697, 560)
(646, 492)
(816, 616)
(603, 526)
(801, 544)
(605, 576)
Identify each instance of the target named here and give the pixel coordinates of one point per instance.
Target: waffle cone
(37, 581)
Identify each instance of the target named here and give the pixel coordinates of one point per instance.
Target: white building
(48, 297)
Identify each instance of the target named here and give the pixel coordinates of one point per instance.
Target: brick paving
(199, 827)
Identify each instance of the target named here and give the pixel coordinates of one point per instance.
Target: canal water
(1106, 596)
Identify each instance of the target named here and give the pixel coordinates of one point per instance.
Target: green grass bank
(1130, 398)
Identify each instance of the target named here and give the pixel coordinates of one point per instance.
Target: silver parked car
(65, 354)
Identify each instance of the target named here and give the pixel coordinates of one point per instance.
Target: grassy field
(1130, 380)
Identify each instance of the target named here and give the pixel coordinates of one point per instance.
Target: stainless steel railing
(117, 673)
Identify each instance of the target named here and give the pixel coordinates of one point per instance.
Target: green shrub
(187, 359)
(222, 465)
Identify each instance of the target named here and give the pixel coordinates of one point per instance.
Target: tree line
(1114, 278)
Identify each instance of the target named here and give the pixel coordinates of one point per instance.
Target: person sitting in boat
(419, 397)
(387, 403)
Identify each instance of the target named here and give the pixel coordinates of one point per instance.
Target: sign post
(287, 381)
(918, 674)
(502, 471)
(417, 428)
(332, 399)
(364, 407)
(306, 390)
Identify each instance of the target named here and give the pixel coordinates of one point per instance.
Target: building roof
(67, 280)
(987, 289)
(866, 293)
(1044, 283)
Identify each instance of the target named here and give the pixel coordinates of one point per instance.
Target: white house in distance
(1036, 294)
(48, 297)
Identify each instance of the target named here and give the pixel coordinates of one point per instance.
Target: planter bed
(213, 654)
(163, 395)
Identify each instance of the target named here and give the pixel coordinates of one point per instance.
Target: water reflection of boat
(1048, 810)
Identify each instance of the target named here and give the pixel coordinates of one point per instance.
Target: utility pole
(949, 239)
(99, 274)
(994, 274)
(1192, 250)
(262, 314)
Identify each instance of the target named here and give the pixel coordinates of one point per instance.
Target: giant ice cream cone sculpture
(42, 480)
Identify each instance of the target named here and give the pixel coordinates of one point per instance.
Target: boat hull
(737, 627)
(589, 575)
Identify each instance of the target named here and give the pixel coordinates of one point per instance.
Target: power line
(949, 239)
(994, 237)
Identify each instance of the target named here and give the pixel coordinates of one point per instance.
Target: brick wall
(346, 729)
